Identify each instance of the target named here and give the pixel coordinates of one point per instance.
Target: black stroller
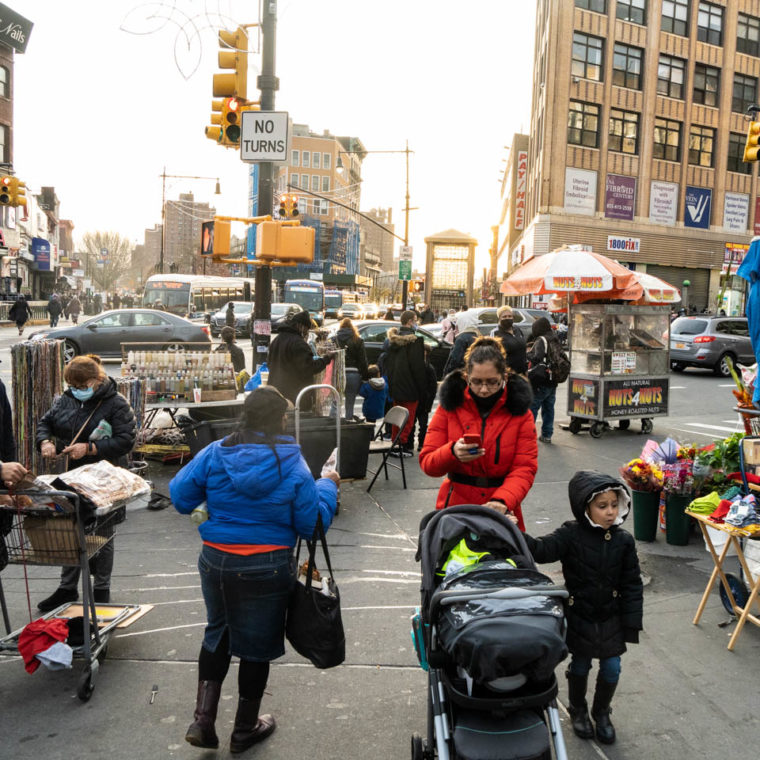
(490, 634)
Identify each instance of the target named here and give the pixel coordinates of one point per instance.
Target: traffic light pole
(405, 283)
(268, 84)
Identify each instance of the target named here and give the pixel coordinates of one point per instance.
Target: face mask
(506, 323)
(82, 395)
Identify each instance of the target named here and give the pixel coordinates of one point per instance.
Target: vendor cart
(54, 528)
(620, 365)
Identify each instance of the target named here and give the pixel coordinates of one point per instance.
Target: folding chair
(397, 416)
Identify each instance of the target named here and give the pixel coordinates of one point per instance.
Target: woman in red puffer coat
(483, 399)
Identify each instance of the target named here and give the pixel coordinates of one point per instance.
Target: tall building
(376, 247)
(637, 134)
(182, 237)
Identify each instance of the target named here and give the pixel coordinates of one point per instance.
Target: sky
(109, 95)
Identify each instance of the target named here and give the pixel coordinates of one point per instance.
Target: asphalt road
(682, 694)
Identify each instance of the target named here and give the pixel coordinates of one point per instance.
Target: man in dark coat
(54, 309)
(427, 316)
(292, 364)
(229, 315)
(602, 576)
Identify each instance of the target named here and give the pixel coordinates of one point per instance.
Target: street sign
(405, 252)
(405, 270)
(264, 136)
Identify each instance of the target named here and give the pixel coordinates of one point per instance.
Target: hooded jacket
(601, 571)
(375, 394)
(256, 493)
(356, 356)
(404, 364)
(292, 364)
(20, 311)
(63, 420)
(507, 433)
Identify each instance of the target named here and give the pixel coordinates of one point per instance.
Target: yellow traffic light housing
(215, 132)
(233, 55)
(284, 243)
(231, 112)
(6, 191)
(283, 206)
(752, 146)
(18, 192)
(215, 238)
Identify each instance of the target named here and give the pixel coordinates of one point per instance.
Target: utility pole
(405, 283)
(268, 84)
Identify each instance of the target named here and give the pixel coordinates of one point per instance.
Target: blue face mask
(82, 395)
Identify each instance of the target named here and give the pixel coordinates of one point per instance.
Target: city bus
(333, 302)
(194, 294)
(309, 295)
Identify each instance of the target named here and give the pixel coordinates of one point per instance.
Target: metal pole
(405, 283)
(163, 222)
(268, 84)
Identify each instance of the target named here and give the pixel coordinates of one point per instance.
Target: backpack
(558, 361)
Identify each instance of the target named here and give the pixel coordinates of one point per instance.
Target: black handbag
(314, 625)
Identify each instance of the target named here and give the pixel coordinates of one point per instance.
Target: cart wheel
(647, 426)
(624, 424)
(596, 429)
(738, 589)
(85, 685)
(575, 425)
(418, 748)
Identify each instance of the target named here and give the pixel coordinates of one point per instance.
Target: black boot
(57, 598)
(601, 710)
(578, 707)
(250, 727)
(201, 732)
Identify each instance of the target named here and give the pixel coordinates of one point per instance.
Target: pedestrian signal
(215, 238)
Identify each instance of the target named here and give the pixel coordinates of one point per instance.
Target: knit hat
(301, 318)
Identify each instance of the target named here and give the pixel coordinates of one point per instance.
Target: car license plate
(679, 345)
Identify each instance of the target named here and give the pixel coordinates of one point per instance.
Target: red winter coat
(507, 434)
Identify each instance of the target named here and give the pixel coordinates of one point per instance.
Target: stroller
(490, 634)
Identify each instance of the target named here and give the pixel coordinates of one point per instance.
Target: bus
(309, 295)
(194, 294)
(333, 302)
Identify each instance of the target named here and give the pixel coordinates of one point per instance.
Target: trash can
(677, 522)
(646, 508)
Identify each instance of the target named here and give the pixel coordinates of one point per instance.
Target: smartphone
(472, 439)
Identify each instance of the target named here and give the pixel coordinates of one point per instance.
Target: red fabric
(245, 550)
(751, 478)
(509, 438)
(39, 636)
(409, 427)
(721, 511)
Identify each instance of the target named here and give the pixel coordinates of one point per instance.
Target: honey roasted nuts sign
(637, 397)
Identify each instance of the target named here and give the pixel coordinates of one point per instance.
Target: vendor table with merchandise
(735, 535)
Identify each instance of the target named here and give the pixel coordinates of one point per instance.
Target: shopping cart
(54, 528)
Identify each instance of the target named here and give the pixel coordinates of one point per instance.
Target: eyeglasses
(492, 383)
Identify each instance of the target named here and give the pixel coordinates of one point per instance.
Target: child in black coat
(605, 607)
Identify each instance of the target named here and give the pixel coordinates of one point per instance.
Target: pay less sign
(635, 397)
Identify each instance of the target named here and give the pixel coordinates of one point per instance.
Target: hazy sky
(99, 111)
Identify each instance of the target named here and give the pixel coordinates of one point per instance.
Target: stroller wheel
(418, 747)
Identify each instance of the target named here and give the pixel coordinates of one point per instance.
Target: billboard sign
(736, 212)
(580, 191)
(697, 207)
(521, 184)
(663, 203)
(619, 197)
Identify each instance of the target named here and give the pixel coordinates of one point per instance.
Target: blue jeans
(544, 397)
(609, 667)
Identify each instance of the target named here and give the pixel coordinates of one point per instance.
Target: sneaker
(101, 595)
(57, 598)
(544, 439)
(402, 453)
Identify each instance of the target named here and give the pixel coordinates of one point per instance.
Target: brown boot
(201, 732)
(250, 727)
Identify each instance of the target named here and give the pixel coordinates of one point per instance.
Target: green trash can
(677, 523)
(646, 510)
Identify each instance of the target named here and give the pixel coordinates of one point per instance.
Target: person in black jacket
(229, 315)
(90, 403)
(426, 401)
(11, 471)
(514, 343)
(544, 388)
(463, 341)
(348, 338)
(20, 313)
(603, 578)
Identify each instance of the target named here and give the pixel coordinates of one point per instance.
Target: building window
(306, 159)
(587, 57)
(599, 6)
(624, 131)
(706, 83)
(667, 140)
(295, 157)
(626, 66)
(710, 23)
(748, 35)
(701, 140)
(294, 180)
(4, 82)
(632, 10)
(321, 208)
(745, 89)
(670, 76)
(315, 160)
(315, 182)
(326, 160)
(3, 143)
(583, 124)
(736, 154)
(325, 184)
(675, 17)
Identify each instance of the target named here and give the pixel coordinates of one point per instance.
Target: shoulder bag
(314, 626)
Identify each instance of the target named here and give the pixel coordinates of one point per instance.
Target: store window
(710, 23)
(745, 91)
(583, 124)
(587, 56)
(626, 66)
(295, 157)
(701, 142)
(734, 162)
(624, 131)
(667, 140)
(706, 85)
(634, 11)
(599, 6)
(670, 76)
(675, 17)
(748, 35)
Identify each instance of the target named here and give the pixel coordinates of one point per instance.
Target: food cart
(620, 362)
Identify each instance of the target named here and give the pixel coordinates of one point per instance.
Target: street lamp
(163, 176)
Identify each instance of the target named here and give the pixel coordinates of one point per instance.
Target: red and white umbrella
(656, 291)
(571, 269)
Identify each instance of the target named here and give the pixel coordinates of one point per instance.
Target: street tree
(115, 253)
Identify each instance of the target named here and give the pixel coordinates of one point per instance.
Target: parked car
(352, 310)
(374, 332)
(524, 319)
(707, 341)
(243, 311)
(104, 333)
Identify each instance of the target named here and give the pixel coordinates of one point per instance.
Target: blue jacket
(375, 394)
(250, 499)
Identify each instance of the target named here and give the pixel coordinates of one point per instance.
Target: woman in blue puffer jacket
(260, 497)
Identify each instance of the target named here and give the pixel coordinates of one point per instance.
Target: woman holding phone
(482, 438)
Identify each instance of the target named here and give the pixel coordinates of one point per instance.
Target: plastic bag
(103, 430)
(329, 465)
(255, 381)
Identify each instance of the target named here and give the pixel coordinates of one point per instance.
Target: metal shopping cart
(55, 528)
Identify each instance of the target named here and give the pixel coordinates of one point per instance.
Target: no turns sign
(264, 136)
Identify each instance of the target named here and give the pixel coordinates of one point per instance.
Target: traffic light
(288, 206)
(283, 206)
(6, 191)
(231, 112)
(18, 192)
(215, 132)
(752, 146)
(418, 286)
(215, 238)
(284, 243)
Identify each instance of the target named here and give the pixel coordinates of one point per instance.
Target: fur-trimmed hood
(518, 393)
(397, 339)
